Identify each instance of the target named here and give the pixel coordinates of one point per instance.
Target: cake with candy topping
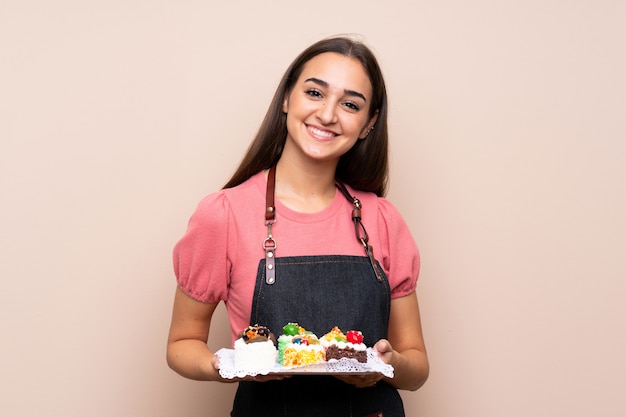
(299, 347)
(338, 345)
(255, 348)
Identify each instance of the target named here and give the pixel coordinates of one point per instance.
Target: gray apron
(319, 292)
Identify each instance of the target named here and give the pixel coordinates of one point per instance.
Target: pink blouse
(217, 258)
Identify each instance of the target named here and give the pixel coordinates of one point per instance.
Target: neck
(305, 188)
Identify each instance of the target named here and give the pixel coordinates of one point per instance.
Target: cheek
(357, 126)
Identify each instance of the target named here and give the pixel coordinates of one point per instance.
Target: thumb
(215, 362)
(383, 346)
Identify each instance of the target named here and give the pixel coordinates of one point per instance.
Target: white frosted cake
(255, 349)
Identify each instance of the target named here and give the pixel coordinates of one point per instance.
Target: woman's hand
(385, 351)
(361, 381)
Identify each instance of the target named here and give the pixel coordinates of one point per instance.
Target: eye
(313, 93)
(352, 106)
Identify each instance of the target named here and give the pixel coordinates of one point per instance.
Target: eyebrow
(323, 83)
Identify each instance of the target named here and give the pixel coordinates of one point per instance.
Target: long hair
(365, 166)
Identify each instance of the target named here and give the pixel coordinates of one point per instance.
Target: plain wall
(508, 162)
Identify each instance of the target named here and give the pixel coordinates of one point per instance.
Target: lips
(321, 133)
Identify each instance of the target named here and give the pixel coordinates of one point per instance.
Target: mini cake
(289, 331)
(337, 345)
(255, 348)
(298, 347)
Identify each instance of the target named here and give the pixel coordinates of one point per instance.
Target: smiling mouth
(322, 134)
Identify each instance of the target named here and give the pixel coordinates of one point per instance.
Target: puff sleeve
(400, 256)
(201, 262)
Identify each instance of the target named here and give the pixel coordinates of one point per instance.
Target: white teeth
(318, 132)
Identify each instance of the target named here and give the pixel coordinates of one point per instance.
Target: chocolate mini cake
(350, 345)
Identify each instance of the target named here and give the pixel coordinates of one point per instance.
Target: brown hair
(365, 166)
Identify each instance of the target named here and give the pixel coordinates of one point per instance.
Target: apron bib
(319, 292)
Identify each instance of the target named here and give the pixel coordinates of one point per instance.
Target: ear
(286, 104)
(369, 126)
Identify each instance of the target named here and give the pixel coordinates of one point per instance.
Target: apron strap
(269, 244)
(270, 211)
(359, 229)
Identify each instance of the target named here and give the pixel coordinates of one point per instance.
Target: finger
(270, 377)
(366, 384)
(361, 381)
(215, 362)
(382, 346)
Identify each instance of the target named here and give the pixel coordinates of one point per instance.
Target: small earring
(369, 130)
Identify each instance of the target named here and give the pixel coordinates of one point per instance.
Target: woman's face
(328, 107)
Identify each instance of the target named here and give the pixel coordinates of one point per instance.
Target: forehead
(339, 71)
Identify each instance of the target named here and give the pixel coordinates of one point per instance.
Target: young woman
(304, 213)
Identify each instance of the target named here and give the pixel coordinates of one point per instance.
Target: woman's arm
(187, 350)
(405, 349)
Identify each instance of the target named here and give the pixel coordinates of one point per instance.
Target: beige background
(508, 162)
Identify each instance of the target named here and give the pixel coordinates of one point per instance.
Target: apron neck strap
(270, 208)
(359, 229)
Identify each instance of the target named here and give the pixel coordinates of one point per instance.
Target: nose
(327, 112)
